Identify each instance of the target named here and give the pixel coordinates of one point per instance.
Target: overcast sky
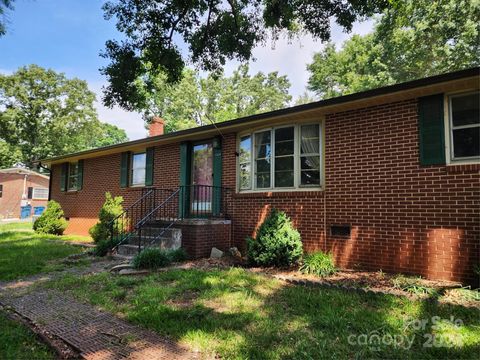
(68, 36)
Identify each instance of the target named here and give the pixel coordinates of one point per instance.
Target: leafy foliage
(155, 32)
(318, 263)
(196, 101)
(277, 242)
(4, 5)
(412, 39)
(154, 258)
(111, 208)
(412, 285)
(42, 114)
(51, 221)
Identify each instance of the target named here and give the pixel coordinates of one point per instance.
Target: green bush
(318, 263)
(154, 258)
(277, 242)
(151, 258)
(177, 255)
(101, 231)
(51, 221)
(102, 247)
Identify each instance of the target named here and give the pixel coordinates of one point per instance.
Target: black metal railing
(157, 210)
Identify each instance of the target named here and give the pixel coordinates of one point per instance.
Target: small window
(245, 162)
(284, 157)
(72, 183)
(40, 194)
(137, 174)
(465, 126)
(1, 191)
(310, 155)
(29, 192)
(340, 230)
(263, 152)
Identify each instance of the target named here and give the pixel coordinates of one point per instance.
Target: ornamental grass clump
(51, 221)
(277, 242)
(154, 258)
(318, 263)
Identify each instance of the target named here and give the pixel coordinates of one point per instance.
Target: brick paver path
(95, 334)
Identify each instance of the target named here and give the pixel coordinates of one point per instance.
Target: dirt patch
(185, 300)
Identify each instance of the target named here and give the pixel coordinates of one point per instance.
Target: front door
(202, 179)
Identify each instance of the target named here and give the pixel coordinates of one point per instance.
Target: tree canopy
(42, 114)
(415, 39)
(162, 36)
(4, 5)
(197, 100)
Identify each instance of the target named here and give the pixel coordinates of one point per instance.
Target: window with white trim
(464, 121)
(40, 193)
(138, 169)
(72, 176)
(283, 157)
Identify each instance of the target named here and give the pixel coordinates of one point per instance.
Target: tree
(413, 40)
(4, 5)
(209, 32)
(196, 101)
(108, 135)
(9, 155)
(43, 114)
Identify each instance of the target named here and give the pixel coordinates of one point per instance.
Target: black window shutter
(150, 156)
(80, 175)
(1, 191)
(431, 130)
(124, 166)
(30, 192)
(63, 177)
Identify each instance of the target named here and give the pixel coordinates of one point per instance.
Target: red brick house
(386, 179)
(23, 193)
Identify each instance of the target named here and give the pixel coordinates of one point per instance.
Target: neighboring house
(23, 193)
(385, 179)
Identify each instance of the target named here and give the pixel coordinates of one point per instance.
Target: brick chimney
(156, 126)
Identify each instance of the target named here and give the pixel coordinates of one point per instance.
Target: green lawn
(23, 253)
(18, 342)
(239, 315)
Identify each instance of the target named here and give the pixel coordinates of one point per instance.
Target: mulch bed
(350, 280)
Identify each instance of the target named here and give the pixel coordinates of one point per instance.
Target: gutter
(391, 89)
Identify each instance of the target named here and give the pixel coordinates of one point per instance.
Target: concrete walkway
(94, 334)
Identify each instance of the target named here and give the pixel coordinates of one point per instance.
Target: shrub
(51, 221)
(177, 255)
(277, 242)
(151, 258)
(101, 231)
(154, 258)
(318, 263)
(104, 246)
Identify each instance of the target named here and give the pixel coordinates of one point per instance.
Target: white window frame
(296, 159)
(451, 159)
(132, 169)
(69, 176)
(35, 193)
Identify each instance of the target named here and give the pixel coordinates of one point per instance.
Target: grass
(239, 315)
(18, 342)
(24, 253)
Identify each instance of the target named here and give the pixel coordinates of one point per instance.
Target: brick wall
(10, 202)
(404, 217)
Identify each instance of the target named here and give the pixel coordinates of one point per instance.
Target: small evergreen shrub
(151, 258)
(318, 263)
(277, 242)
(101, 231)
(102, 247)
(51, 221)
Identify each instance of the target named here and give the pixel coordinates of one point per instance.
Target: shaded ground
(18, 342)
(234, 313)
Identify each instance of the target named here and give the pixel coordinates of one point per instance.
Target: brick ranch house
(385, 179)
(23, 193)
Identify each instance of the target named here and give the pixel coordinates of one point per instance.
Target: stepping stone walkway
(95, 334)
